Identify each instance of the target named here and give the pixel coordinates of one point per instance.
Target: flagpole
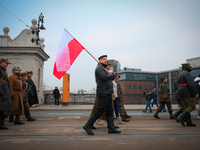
(96, 60)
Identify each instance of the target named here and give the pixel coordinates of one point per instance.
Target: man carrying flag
(104, 94)
(68, 51)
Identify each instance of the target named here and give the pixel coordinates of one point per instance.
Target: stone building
(27, 52)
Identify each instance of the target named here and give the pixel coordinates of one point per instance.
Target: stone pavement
(89, 107)
(66, 133)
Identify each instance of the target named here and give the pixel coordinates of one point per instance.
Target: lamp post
(40, 19)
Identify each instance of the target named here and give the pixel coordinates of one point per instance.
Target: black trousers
(1, 118)
(56, 100)
(104, 105)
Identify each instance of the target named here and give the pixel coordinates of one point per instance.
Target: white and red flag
(68, 50)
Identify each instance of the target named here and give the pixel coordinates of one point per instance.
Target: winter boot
(88, 126)
(2, 127)
(17, 120)
(119, 121)
(111, 125)
(28, 114)
(127, 116)
(183, 117)
(175, 116)
(171, 116)
(189, 121)
(11, 118)
(156, 115)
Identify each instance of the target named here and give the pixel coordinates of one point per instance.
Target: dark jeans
(104, 105)
(56, 100)
(148, 102)
(116, 108)
(154, 102)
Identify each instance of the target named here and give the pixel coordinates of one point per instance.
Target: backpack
(148, 95)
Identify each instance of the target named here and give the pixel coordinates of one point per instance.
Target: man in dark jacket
(5, 97)
(32, 96)
(104, 94)
(154, 94)
(56, 94)
(187, 93)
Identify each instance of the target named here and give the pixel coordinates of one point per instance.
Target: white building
(24, 52)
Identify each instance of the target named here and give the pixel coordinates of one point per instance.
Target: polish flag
(68, 50)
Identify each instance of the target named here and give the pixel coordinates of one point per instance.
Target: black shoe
(177, 120)
(156, 116)
(127, 116)
(190, 124)
(88, 130)
(184, 116)
(113, 131)
(116, 127)
(164, 111)
(125, 119)
(172, 117)
(19, 123)
(93, 127)
(2, 127)
(144, 111)
(30, 119)
(11, 119)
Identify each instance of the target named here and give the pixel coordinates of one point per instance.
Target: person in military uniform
(164, 97)
(32, 96)
(104, 94)
(5, 97)
(122, 110)
(26, 90)
(176, 85)
(16, 96)
(187, 94)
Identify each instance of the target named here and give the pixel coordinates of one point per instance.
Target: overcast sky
(153, 35)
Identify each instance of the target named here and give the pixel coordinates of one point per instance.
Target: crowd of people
(109, 98)
(17, 94)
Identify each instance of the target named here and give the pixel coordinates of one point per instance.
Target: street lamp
(40, 19)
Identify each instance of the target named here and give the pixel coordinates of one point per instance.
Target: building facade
(134, 80)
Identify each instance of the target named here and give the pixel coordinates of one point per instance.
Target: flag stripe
(68, 51)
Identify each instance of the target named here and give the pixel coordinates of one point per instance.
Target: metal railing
(84, 99)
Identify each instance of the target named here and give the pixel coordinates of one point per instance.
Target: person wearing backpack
(148, 97)
(197, 86)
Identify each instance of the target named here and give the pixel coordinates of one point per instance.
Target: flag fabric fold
(68, 50)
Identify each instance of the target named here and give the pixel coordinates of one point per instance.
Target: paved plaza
(61, 129)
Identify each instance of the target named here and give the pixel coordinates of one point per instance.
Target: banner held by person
(68, 50)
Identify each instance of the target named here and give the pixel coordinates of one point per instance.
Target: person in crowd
(32, 96)
(187, 93)
(26, 90)
(197, 85)
(154, 94)
(122, 110)
(116, 104)
(104, 94)
(148, 96)
(17, 95)
(176, 85)
(164, 97)
(5, 97)
(102, 117)
(56, 94)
